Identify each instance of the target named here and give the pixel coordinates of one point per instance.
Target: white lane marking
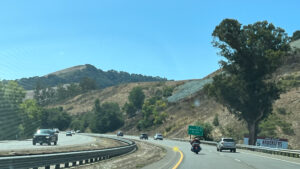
(237, 160)
(273, 158)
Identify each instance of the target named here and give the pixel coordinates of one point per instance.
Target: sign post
(195, 130)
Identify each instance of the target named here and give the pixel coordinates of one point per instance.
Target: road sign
(195, 130)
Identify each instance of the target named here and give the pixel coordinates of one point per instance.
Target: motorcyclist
(195, 142)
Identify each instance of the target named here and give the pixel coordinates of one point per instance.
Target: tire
(220, 150)
(234, 150)
(217, 149)
(196, 152)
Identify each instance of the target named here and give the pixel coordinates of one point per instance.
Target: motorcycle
(196, 148)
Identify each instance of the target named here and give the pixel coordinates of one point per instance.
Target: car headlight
(47, 137)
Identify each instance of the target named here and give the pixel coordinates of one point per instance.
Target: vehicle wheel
(217, 149)
(41, 143)
(55, 143)
(220, 150)
(234, 150)
(196, 152)
(231, 150)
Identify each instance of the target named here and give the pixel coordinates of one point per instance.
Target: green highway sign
(195, 130)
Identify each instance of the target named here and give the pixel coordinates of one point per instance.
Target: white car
(226, 144)
(158, 136)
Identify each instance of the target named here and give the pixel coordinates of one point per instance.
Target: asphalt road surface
(63, 140)
(210, 158)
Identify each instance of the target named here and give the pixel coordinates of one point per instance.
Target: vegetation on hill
(296, 35)
(20, 118)
(76, 74)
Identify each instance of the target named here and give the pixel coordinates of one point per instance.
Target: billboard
(269, 142)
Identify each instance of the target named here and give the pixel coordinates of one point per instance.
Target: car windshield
(44, 131)
(228, 140)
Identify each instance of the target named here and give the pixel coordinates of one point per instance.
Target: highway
(210, 158)
(63, 140)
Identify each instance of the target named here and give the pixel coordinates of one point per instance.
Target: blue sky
(166, 38)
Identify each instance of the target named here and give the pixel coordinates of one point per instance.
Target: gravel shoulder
(145, 154)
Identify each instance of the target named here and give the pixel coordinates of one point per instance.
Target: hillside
(189, 105)
(75, 74)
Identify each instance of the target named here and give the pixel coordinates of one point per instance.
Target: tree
(252, 52)
(207, 129)
(129, 109)
(11, 96)
(296, 35)
(30, 114)
(137, 97)
(107, 117)
(87, 84)
(216, 120)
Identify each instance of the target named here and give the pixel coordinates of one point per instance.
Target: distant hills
(75, 74)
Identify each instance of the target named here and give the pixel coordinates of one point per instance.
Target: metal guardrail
(58, 159)
(277, 151)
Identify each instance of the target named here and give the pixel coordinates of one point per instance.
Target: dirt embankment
(146, 154)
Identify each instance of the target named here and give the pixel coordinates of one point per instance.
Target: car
(73, 132)
(77, 131)
(226, 144)
(45, 136)
(120, 133)
(158, 136)
(144, 136)
(56, 130)
(68, 133)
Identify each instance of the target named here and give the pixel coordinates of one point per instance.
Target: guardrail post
(47, 167)
(86, 161)
(80, 162)
(91, 160)
(74, 163)
(57, 166)
(67, 165)
(35, 168)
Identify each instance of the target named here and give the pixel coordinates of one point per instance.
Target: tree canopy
(137, 97)
(296, 35)
(252, 53)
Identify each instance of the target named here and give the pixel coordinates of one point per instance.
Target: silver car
(158, 136)
(226, 144)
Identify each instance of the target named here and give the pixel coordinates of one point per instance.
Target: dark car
(144, 136)
(120, 133)
(45, 136)
(68, 133)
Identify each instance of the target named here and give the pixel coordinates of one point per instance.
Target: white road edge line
(273, 158)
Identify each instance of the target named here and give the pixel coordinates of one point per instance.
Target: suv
(144, 136)
(45, 136)
(158, 136)
(226, 144)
